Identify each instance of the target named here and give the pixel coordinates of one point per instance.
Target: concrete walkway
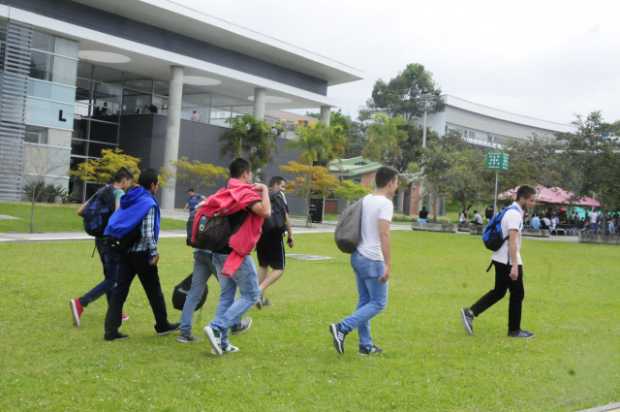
(612, 407)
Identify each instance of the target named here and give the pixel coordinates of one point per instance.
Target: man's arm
(148, 233)
(262, 208)
(289, 230)
(384, 235)
(512, 250)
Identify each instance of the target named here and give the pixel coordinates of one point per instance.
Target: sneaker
(259, 304)
(124, 317)
(520, 334)
(76, 311)
(215, 339)
(228, 349)
(168, 329)
(241, 327)
(115, 336)
(185, 339)
(266, 302)
(370, 350)
(467, 316)
(338, 337)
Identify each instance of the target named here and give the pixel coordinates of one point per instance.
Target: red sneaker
(124, 317)
(76, 311)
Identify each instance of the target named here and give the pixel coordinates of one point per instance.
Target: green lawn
(287, 362)
(53, 218)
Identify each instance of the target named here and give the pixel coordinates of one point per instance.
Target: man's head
(149, 179)
(526, 197)
(240, 169)
(277, 184)
(386, 180)
(191, 192)
(122, 179)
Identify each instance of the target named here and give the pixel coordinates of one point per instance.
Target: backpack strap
(491, 263)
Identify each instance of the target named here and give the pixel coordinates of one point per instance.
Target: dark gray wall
(120, 26)
(143, 136)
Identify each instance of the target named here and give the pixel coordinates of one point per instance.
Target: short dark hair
(191, 189)
(276, 180)
(122, 173)
(384, 176)
(148, 177)
(525, 192)
(238, 167)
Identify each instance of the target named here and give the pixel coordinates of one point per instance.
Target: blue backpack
(98, 211)
(492, 237)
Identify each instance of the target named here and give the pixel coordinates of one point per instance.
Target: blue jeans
(229, 310)
(372, 296)
(110, 274)
(203, 268)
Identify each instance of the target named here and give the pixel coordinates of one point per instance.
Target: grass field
(287, 362)
(53, 218)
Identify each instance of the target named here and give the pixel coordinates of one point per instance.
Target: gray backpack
(349, 228)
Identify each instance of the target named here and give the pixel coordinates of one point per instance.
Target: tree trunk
(308, 197)
(435, 205)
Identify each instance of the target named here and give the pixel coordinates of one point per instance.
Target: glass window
(80, 128)
(36, 134)
(42, 41)
(103, 132)
(64, 70)
(66, 47)
(78, 147)
(40, 65)
(107, 101)
(94, 149)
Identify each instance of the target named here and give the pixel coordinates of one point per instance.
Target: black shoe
(338, 337)
(520, 334)
(467, 316)
(243, 326)
(167, 330)
(370, 350)
(115, 336)
(185, 339)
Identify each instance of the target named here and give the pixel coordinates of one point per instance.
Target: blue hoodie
(134, 206)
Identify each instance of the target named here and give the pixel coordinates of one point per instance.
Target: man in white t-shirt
(371, 263)
(508, 269)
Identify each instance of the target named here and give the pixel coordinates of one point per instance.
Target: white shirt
(512, 220)
(593, 217)
(374, 208)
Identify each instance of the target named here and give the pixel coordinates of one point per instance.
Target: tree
(350, 190)
(319, 143)
(534, 161)
(252, 139)
(402, 95)
(384, 138)
(309, 180)
(198, 175)
(101, 170)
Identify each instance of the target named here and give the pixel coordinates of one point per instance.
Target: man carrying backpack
(371, 263)
(96, 212)
(506, 227)
(133, 232)
(270, 247)
(245, 206)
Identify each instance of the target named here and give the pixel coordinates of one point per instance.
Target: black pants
(129, 266)
(503, 282)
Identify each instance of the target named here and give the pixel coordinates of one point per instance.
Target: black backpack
(180, 291)
(98, 211)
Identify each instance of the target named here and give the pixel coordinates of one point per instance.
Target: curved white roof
(488, 111)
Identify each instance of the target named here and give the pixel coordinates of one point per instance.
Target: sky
(546, 58)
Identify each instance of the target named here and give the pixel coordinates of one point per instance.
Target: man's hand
(290, 241)
(260, 187)
(154, 260)
(514, 272)
(386, 274)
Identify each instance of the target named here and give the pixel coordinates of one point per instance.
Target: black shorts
(270, 251)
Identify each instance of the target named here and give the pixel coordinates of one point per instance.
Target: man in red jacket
(246, 205)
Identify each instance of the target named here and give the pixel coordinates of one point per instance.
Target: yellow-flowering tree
(101, 170)
(198, 175)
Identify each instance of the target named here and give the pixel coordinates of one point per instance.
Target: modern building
(357, 169)
(488, 126)
(154, 78)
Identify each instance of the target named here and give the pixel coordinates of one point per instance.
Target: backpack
(277, 221)
(180, 291)
(123, 244)
(212, 233)
(98, 211)
(348, 232)
(492, 236)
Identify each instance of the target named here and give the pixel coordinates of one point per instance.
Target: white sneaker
(215, 339)
(228, 349)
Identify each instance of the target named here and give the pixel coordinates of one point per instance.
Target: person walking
(193, 199)
(508, 269)
(246, 206)
(372, 264)
(270, 247)
(138, 218)
(110, 199)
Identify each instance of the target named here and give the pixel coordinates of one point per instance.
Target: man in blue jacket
(133, 232)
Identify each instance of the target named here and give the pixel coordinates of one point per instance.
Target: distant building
(357, 169)
(488, 126)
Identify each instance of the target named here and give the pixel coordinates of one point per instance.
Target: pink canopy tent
(555, 196)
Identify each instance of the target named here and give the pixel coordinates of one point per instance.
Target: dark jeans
(109, 275)
(503, 282)
(133, 264)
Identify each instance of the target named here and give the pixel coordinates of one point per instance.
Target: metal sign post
(496, 161)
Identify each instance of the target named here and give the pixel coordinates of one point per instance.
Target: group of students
(257, 218)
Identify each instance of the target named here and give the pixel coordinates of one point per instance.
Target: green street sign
(497, 161)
